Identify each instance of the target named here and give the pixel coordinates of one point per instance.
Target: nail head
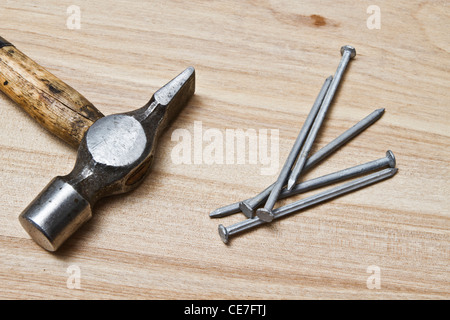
(265, 214)
(391, 157)
(223, 232)
(351, 49)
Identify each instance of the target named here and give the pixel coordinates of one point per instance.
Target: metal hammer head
(114, 157)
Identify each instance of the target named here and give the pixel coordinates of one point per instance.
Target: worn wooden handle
(55, 105)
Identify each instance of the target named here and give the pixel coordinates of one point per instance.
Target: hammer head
(114, 157)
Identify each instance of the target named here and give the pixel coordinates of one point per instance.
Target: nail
(225, 211)
(345, 174)
(248, 206)
(285, 170)
(348, 52)
(226, 232)
(343, 139)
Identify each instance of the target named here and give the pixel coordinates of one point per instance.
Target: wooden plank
(259, 65)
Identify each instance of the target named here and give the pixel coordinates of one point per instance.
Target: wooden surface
(259, 65)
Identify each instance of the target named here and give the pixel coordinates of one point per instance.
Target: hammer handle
(55, 105)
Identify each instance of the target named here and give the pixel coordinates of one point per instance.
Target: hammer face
(55, 214)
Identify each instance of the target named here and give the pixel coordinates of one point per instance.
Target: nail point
(218, 213)
(290, 184)
(214, 214)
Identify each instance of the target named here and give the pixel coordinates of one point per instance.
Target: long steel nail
(248, 206)
(225, 210)
(348, 52)
(286, 169)
(345, 174)
(226, 232)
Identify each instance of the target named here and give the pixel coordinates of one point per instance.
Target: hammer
(114, 152)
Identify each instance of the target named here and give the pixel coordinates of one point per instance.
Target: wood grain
(259, 65)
